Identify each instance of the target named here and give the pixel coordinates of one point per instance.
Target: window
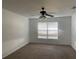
(47, 30)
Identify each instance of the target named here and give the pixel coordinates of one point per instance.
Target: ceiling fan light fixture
(42, 17)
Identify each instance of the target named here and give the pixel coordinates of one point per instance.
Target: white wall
(73, 41)
(14, 31)
(64, 26)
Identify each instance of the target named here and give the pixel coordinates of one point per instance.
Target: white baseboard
(13, 50)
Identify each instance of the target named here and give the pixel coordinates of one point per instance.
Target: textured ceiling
(33, 7)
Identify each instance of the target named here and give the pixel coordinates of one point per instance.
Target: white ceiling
(33, 7)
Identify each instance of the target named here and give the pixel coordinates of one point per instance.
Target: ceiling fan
(44, 13)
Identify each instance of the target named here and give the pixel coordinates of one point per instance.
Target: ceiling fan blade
(49, 15)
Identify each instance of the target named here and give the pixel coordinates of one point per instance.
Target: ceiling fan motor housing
(43, 13)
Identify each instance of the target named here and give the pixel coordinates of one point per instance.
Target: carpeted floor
(43, 51)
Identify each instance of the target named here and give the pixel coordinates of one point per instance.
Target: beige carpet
(43, 51)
